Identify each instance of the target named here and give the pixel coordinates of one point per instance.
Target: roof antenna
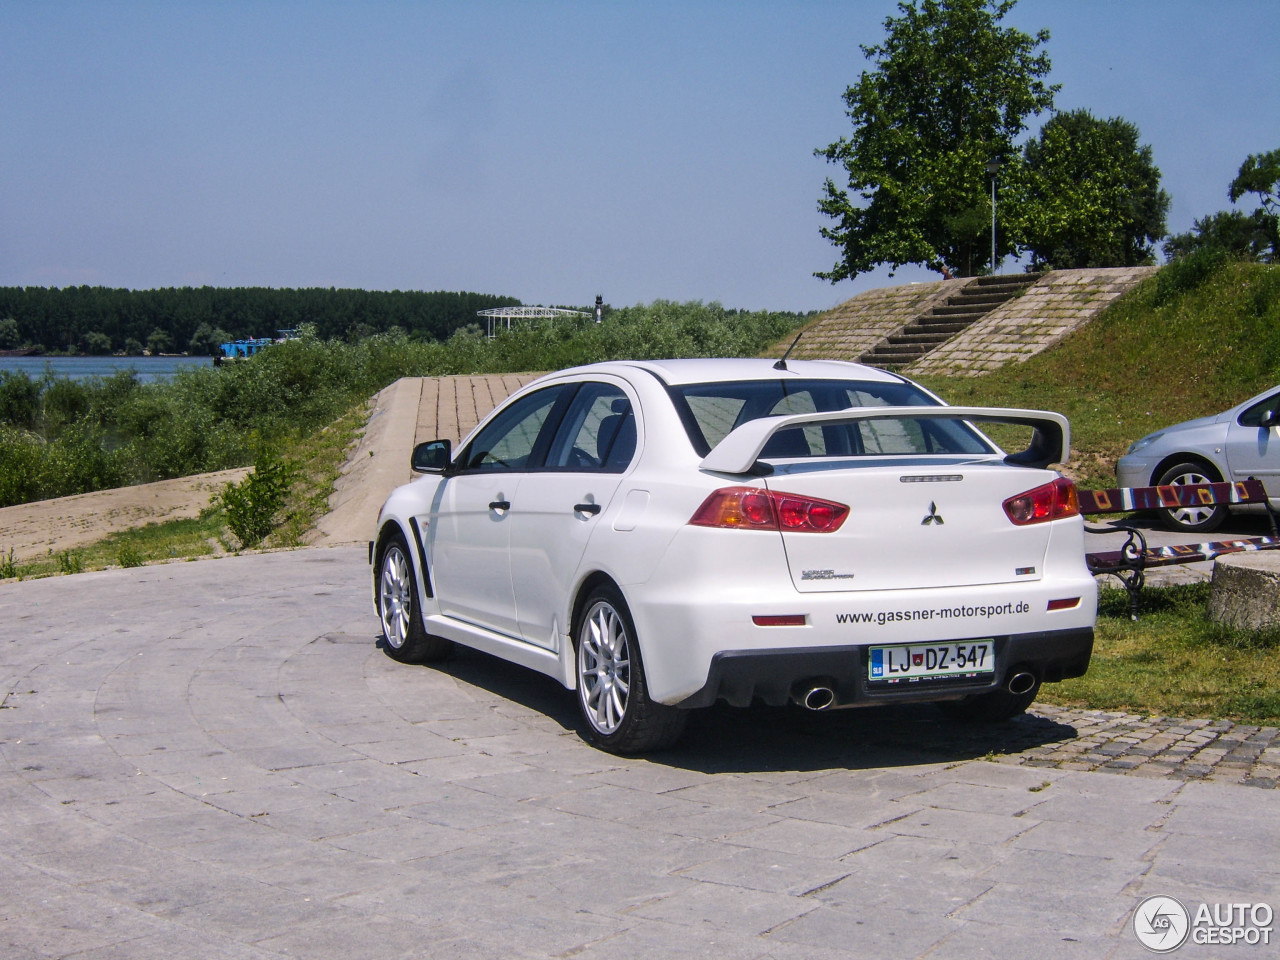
(782, 363)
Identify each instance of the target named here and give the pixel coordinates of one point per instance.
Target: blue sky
(547, 149)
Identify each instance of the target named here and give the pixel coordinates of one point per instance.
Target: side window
(598, 431)
(509, 441)
(1253, 416)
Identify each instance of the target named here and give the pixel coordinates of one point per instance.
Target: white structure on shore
(497, 314)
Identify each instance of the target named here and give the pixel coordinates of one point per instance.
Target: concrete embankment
(409, 411)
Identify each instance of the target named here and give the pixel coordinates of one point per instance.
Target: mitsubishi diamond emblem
(932, 516)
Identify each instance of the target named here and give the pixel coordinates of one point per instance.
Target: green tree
(1240, 235)
(1260, 174)
(159, 342)
(1249, 236)
(95, 344)
(10, 335)
(1089, 195)
(951, 90)
(207, 341)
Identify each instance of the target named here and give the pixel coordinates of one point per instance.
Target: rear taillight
(748, 508)
(1053, 501)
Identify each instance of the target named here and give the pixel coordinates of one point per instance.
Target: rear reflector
(1052, 501)
(785, 620)
(751, 508)
(1066, 603)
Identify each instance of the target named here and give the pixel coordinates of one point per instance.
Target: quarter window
(598, 431)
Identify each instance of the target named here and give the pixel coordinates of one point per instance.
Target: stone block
(1246, 591)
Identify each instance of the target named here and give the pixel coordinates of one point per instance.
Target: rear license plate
(918, 661)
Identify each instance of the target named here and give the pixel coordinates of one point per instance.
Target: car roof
(726, 369)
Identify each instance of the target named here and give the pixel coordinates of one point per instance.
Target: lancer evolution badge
(932, 516)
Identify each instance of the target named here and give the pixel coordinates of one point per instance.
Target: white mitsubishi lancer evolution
(663, 535)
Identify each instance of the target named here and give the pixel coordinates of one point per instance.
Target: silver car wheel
(395, 598)
(1192, 516)
(604, 667)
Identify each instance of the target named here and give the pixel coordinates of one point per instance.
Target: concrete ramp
(410, 411)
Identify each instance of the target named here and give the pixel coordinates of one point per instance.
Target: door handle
(500, 505)
(591, 508)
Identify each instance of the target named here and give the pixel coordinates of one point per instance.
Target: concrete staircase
(943, 321)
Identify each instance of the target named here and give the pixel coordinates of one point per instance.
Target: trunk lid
(913, 524)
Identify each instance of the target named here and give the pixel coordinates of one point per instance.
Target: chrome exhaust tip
(815, 695)
(1020, 682)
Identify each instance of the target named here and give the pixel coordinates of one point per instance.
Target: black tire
(989, 707)
(612, 694)
(1203, 519)
(404, 637)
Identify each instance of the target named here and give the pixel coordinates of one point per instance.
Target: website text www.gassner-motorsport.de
(980, 612)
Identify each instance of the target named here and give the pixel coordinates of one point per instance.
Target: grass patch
(1175, 662)
(172, 540)
(315, 464)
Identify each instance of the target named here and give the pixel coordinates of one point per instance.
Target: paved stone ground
(1216, 750)
(214, 760)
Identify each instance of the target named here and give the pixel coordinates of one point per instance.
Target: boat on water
(236, 351)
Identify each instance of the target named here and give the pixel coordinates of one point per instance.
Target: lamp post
(993, 168)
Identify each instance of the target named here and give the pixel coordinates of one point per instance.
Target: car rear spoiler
(739, 451)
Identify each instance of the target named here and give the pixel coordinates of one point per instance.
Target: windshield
(711, 410)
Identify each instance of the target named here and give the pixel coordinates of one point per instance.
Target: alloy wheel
(395, 599)
(604, 668)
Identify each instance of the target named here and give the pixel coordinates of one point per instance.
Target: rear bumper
(743, 676)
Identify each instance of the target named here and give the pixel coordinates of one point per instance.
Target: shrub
(63, 402)
(128, 556)
(253, 505)
(21, 462)
(19, 400)
(1188, 273)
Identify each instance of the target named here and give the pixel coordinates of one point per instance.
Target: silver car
(1240, 443)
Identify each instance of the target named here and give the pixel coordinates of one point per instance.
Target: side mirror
(1270, 418)
(434, 456)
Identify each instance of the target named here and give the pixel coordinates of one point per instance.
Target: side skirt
(506, 648)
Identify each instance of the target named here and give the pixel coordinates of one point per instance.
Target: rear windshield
(711, 410)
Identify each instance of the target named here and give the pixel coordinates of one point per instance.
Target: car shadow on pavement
(725, 739)
(759, 738)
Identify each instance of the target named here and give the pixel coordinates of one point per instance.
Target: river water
(82, 368)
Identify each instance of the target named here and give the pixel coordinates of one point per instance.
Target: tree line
(103, 320)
